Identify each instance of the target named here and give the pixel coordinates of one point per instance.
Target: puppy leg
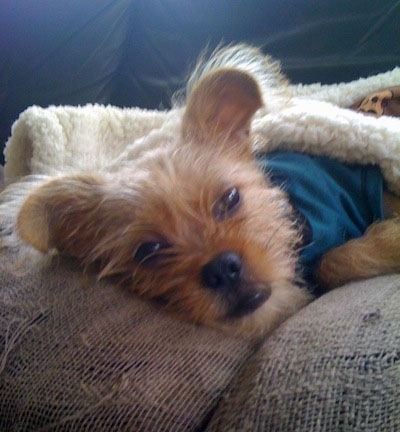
(376, 253)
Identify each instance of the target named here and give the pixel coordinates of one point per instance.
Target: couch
(78, 354)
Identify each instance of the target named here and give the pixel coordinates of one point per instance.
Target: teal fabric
(337, 201)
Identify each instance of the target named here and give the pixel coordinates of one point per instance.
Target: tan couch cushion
(79, 355)
(83, 355)
(334, 367)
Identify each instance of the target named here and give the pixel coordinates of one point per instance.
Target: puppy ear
(221, 105)
(62, 214)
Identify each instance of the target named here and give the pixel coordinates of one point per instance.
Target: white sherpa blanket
(92, 137)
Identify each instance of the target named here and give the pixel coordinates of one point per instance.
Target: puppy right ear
(59, 214)
(222, 105)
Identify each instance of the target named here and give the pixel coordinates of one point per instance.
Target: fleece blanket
(314, 118)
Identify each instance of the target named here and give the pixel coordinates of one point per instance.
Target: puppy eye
(227, 204)
(150, 253)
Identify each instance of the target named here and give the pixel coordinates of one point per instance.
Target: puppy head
(194, 224)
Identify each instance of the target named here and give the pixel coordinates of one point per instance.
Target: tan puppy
(197, 224)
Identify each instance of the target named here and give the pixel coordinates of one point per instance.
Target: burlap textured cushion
(334, 367)
(79, 356)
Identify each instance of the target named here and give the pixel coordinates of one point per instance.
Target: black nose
(222, 272)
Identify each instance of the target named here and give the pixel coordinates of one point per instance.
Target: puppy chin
(284, 301)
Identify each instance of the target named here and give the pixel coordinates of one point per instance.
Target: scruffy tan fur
(158, 223)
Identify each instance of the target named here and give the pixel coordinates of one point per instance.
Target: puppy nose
(222, 272)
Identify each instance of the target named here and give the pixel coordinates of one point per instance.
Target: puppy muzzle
(225, 275)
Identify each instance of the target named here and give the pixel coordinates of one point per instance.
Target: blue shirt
(337, 201)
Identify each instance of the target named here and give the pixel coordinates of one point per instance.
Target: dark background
(138, 52)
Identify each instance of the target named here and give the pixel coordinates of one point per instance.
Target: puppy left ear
(221, 105)
(65, 213)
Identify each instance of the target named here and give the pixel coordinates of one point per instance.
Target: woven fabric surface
(79, 355)
(334, 367)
